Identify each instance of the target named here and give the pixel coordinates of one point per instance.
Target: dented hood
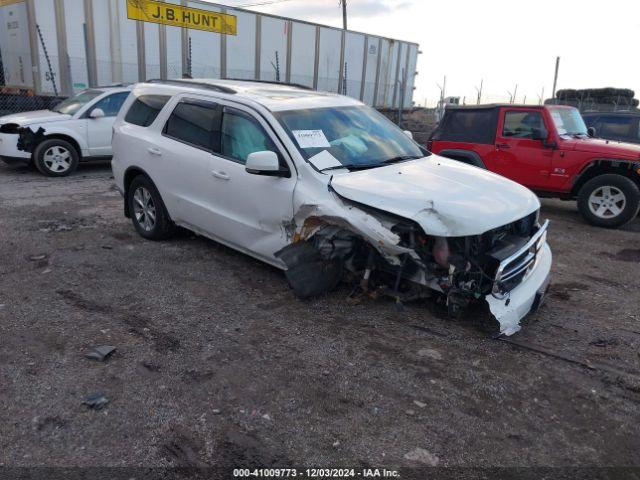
(29, 118)
(447, 198)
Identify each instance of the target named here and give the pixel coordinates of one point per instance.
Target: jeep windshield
(568, 121)
(72, 105)
(356, 137)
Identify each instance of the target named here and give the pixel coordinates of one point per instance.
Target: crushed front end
(389, 255)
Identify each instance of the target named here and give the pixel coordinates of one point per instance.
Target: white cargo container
(63, 46)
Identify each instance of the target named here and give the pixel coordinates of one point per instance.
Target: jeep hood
(605, 148)
(445, 197)
(37, 117)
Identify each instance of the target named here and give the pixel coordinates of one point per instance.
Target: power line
(258, 4)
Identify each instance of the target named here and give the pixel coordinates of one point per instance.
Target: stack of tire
(597, 98)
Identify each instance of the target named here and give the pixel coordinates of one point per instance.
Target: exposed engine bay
(461, 270)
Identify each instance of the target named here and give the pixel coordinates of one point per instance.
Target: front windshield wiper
(401, 158)
(365, 166)
(353, 166)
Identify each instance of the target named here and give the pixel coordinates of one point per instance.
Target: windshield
(70, 106)
(355, 137)
(568, 121)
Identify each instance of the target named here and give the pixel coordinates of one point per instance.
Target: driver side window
(242, 135)
(523, 124)
(111, 105)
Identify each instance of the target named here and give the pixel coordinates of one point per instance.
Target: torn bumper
(526, 297)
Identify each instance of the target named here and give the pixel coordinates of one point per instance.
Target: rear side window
(196, 124)
(469, 126)
(145, 109)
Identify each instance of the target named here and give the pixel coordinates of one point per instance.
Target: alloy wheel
(57, 159)
(144, 209)
(607, 202)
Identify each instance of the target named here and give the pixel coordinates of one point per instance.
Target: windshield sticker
(311, 139)
(324, 160)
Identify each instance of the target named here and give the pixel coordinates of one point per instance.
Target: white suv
(55, 141)
(327, 189)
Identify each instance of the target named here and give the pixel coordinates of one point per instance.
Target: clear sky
(503, 42)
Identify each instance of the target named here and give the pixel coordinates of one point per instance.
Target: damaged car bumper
(531, 267)
(9, 152)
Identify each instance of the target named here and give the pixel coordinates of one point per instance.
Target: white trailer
(63, 46)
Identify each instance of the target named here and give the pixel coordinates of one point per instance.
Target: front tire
(148, 213)
(609, 200)
(56, 158)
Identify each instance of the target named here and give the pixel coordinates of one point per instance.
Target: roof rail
(296, 85)
(189, 83)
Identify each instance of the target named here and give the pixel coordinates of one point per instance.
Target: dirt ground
(217, 362)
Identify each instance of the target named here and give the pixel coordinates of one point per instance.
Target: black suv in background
(618, 126)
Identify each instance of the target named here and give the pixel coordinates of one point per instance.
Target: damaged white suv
(327, 189)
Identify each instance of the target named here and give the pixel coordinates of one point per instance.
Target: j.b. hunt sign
(179, 16)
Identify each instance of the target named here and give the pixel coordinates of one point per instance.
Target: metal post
(223, 52)
(258, 46)
(142, 56)
(364, 67)
(555, 78)
(114, 42)
(378, 66)
(317, 60)
(63, 54)
(162, 44)
(343, 40)
(35, 49)
(344, 13)
(396, 82)
(184, 43)
(287, 74)
(90, 45)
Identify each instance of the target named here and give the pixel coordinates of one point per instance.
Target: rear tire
(148, 213)
(609, 200)
(56, 158)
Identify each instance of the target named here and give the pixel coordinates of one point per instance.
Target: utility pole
(512, 96)
(541, 97)
(479, 90)
(344, 13)
(555, 78)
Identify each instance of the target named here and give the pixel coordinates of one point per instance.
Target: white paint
(447, 198)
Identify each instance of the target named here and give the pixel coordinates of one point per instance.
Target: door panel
(255, 207)
(519, 153)
(100, 130)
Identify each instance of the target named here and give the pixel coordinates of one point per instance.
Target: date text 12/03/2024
(315, 473)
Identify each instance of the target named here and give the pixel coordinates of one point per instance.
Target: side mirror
(264, 163)
(408, 134)
(591, 131)
(97, 113)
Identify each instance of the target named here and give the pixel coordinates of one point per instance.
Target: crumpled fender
(310, 218)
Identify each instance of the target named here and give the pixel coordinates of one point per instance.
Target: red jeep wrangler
(548, 149)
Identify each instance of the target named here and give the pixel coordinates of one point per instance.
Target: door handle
(503, 146)
(154, 151)
(220, 175)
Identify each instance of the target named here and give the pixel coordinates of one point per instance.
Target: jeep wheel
(56, 158)
(148, 213)
(609, 201)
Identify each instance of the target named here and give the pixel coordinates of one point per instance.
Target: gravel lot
(217, 363)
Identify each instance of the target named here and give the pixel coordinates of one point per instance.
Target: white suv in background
(327, 189)
(55, 141)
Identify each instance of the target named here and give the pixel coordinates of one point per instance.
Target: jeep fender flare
(466, 156)
(605, 165)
